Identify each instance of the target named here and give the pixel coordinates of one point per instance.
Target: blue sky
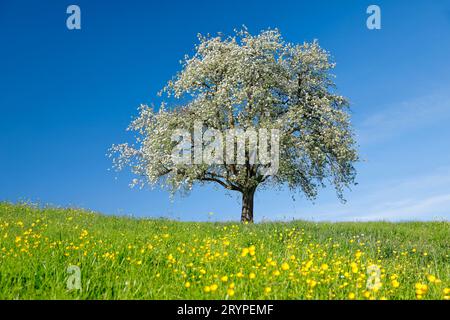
(67, 96)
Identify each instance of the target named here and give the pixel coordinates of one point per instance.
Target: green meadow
(53, 253)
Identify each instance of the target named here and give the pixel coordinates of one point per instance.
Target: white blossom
(243, 82)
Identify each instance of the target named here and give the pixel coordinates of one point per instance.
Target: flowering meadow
(127, 258)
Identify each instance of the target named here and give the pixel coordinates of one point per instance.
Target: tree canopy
(244, 82)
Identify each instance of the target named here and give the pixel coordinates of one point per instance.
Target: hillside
(125, 258)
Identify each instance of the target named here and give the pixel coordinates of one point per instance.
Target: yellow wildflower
(285, 266)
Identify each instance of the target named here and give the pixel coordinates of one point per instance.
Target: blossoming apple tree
(247, 82)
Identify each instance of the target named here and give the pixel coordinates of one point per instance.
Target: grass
(125, 258)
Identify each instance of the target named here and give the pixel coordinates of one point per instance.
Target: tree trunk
(247, 206)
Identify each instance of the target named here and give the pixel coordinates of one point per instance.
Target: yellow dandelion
(245, 252)
(395, 283)
(312, 283)
(285, 266)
